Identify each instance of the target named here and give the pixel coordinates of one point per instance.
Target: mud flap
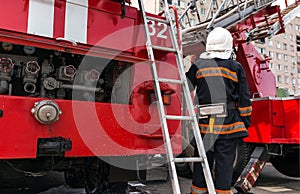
(253, 169)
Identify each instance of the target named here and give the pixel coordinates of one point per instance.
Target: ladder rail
(190, 108)
(187, 99)
(166, 136)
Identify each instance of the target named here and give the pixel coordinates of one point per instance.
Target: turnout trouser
(222, 153)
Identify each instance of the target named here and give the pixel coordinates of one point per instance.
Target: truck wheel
(74, 178)
(287, 164)
(96, 175)
(242, 157)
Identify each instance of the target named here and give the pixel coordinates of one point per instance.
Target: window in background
(284, 45)
(271, 54)
(286, 80)
(271, 65)
(279, 79)
(192, 22)
(293, 81)
(292, 59)
(202, 11)
(277, 44)
(293, 69)
(278, 67)
(278, 55)
(182, 3)
(270, 43)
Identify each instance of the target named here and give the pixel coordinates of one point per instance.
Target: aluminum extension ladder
(187, 98)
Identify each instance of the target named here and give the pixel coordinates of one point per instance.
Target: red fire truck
(76, 92)
(274, 134)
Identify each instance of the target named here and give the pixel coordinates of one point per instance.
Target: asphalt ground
(269, 182)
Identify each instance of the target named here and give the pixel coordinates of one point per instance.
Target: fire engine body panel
(274, 133)
(270, 121)
(277, 123)
(75, 82)
(84, 66)
(106, 138)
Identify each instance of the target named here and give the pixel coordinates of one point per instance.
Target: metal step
(192, 159)
(157, 20)
(182, 118)
(164, 48)
(173, 81)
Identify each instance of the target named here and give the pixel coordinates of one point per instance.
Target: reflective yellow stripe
(214, 68)
(223, 191)
(197, 190)
(245, 111)
(245, 108)
(245, 115)
(217, 71)
(211, 124)
(223, 129)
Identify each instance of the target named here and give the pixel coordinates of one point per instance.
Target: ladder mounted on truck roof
(288, 14)
(191, 115)
(226, 15)
(262, 22)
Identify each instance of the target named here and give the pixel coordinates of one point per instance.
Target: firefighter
(221, 85)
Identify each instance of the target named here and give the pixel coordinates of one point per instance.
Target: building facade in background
(152, 6)
(284, 51)
(195, 16)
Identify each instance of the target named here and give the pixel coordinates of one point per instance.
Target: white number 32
(161, 33)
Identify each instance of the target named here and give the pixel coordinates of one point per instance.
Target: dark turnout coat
(222, 81)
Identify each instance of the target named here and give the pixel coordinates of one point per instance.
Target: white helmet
(218, 44)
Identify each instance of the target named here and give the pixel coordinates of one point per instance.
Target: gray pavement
(270, 182)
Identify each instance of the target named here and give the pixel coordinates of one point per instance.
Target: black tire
(242, 157)
(287, 164)
(74, 178)
(96, 175)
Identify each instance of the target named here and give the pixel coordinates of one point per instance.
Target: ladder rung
(164, 48)
(175, 117)
(182, 160)
(174, 81)
(157, 20)
(191, 117)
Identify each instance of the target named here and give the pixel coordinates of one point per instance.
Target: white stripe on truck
(41, 17)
